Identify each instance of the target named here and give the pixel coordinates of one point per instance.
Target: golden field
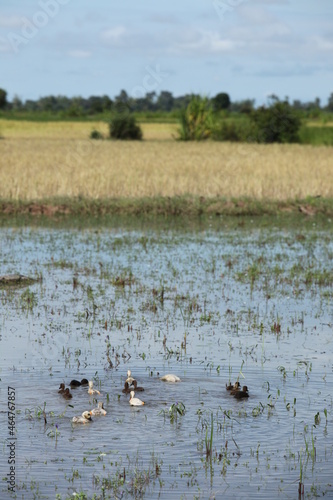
(21, 129)
(47, 160)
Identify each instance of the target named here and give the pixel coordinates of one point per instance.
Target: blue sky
(248, 48)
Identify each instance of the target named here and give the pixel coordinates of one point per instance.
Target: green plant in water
(174, 410)
(28, 300)
(300, 485)
(283, 371)
(209, 439)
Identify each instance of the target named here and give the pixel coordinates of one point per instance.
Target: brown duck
(126, 389)
(61, 389)
(77, 383)
(240, 394)
(233, 387)
(66, 394)
(136, 388)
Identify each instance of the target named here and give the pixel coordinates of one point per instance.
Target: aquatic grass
(175, 409)
(209, 439)
(28, 300)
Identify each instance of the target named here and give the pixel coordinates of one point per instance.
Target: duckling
(129, 379)
(235, 389)
(126, 389)
(66, 394)
(84, 419)
(91, 389)
(170, 378)
(135, 401)
(77, 383)
(99, 410)
(240, 394)
(61, 389)
(136, 388)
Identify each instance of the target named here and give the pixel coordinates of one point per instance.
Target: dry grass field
(75, 130)
(47, 160)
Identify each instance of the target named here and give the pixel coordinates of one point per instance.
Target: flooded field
(212, 302)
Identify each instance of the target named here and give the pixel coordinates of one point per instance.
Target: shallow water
(200, 302)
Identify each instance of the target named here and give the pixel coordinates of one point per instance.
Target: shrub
(277, 123)
(96, 134)
(123, 126)
(240, 131)
(196, 120)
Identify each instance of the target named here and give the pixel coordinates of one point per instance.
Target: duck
(240, 394)
(66, 394)
(233, 387)
(74, 383)
(170, 378)
(91, 389)
(77, 383)
(135, 401)
(61, 389)
(99, 410)
(136, 388)
(129, 379)
(126, 389)
(84, 419)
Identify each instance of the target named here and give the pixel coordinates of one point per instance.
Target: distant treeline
(151, 102)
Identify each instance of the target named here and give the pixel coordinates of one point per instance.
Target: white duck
(91, 389)
(129, 379)
(84, 419)
(170, 378)
(99, 410)
(135, 401)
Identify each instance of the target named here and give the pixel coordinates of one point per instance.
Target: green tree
(165, 101)
(221, 101)
(3, 98)
(277, 123)
(329, 105)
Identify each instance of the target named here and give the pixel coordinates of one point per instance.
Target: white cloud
(322, 43)
(205, 42)
(114, 35)
(80, 54)
(10, 21)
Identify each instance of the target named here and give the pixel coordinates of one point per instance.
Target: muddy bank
(167, 206)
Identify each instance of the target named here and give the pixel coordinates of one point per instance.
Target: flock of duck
(130, 387)
(236, 391)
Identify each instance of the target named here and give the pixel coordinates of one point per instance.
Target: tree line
(165, 101)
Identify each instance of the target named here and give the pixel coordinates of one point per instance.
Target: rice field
(57, 160)
(20, 129)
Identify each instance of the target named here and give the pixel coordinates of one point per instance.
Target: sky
(247, 48)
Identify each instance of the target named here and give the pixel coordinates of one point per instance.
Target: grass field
(75, 130)
(48, 161)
